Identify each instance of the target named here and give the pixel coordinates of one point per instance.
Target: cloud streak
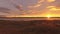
(30, 7)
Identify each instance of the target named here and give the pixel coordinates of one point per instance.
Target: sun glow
(51, 11)
(36, 15)
(48, 16)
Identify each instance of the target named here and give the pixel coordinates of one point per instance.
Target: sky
(9, 3)
(30, 7)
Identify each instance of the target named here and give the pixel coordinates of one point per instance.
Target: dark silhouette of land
(30, 27)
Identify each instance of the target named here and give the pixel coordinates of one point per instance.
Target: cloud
(5, 10)
(53, 8)
(38, 4)
(50, 0)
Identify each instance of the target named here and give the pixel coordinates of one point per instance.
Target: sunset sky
(31, 7)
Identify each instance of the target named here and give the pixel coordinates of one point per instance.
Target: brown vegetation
(30, 27)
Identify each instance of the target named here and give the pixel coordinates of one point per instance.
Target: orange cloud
(50, 0)
(40, 1)
(53, 8)
(38, 4)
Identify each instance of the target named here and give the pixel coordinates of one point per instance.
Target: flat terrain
(28, 18)
(30, 27)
